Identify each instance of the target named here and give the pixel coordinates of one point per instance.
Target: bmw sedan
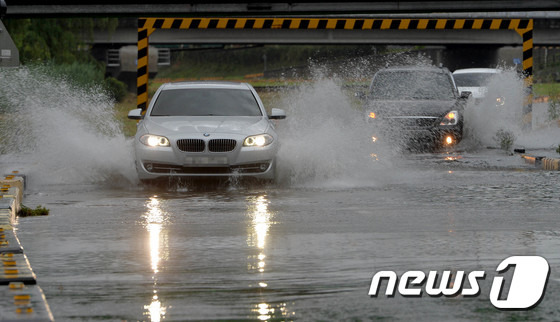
(205, 129)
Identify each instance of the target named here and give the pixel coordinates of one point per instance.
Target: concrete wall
(21, 299)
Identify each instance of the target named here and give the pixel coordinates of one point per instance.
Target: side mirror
(135, 114)
(466, 95)
(277, 114)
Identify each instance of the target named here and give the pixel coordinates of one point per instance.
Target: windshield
(473, 79)
(206, 102)
(410, 84)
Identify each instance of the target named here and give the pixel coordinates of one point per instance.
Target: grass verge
(28, 212)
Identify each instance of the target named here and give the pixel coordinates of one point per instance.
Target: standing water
(280, 253)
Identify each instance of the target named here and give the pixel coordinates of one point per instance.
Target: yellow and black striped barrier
(551, 164)
(146, 26)
(542, 162)
(20, 298)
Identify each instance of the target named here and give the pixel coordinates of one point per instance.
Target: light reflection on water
(155, 219)
(260, 224)
(261, 221)
(315, 262)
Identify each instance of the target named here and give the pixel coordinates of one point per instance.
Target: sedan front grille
(413, 122)
(191, 145)
(221, 145)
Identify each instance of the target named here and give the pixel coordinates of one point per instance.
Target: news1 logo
(526, 289)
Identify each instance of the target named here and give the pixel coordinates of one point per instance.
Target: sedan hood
(164, 125)
(412, 107)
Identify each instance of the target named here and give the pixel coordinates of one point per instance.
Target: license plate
(206, 160)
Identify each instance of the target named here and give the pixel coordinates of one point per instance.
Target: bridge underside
(263, 36)
(463, 48)
(28, 8)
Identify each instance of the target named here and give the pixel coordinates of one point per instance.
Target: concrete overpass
(480, 45)
(147, 8)
(546, 33)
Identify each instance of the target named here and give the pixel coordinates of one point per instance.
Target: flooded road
(303, 249)
(240, 252)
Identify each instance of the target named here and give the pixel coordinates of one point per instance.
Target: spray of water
(325, 139)
(490, 121)
(59, 133)
(499, 111)
(545, 132)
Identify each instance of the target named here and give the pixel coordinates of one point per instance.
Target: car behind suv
(416, 106)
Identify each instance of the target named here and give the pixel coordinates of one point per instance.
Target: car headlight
(451, 118)
(258, 140)
(500, 101)
(370, 116)
(154, 140)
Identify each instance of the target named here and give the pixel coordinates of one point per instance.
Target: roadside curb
(543, 162)
(21, 299)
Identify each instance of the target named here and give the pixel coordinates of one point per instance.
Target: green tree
(62, 41)
(61, 46)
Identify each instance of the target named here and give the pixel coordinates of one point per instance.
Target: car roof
(205, 84)
(477, 71)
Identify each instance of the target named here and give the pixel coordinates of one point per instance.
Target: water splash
(325, 140)
(484, 120)
(60, 133)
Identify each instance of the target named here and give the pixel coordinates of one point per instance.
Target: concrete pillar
(9, 54)
(128, 60)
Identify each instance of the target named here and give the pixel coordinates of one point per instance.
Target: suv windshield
(473, 79)
(206, 102)
(412, 85)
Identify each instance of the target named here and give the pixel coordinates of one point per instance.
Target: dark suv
(416, 106)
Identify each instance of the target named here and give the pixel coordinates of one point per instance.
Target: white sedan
(476, 81)
(206, 129)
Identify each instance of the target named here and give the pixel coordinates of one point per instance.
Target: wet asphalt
(293, 252)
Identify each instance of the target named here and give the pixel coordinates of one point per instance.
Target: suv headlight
(258, 140)
(451, 118)
(154, 140)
